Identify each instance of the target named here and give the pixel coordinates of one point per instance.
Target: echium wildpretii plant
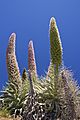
(14, 94)
(53, 97)
(56, 60)
(31, 59)
(12, 65)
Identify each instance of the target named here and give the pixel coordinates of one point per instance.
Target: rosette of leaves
(47, 96)
(13, 99)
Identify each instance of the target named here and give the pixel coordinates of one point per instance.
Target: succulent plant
(53, 97)
(11, 61)
(13, 94)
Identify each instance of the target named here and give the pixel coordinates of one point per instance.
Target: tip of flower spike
(12, 36)
(30, 44)
(52, 21)
(11, 44)
(24, 70)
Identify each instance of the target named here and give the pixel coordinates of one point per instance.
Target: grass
(4, 115)
(4, 118)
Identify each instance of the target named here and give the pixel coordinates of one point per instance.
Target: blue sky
(29, 19)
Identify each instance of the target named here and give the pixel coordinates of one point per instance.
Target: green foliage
(13, 97)
(45, 97)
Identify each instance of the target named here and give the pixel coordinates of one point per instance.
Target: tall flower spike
(31, 84)
(31, 60)
(12, 65)
(24, 75)
(69, 112)
(55, 44)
